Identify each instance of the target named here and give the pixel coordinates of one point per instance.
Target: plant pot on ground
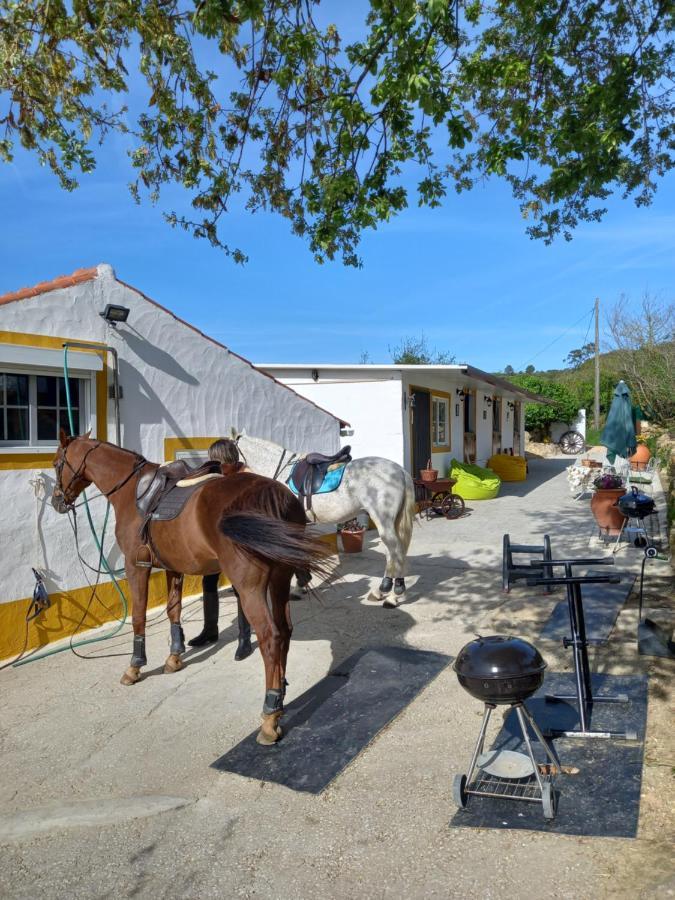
(608, 489)
(352, 533)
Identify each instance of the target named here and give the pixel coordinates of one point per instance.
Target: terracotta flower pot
(605, 511)
(638, 461)
(352, 541)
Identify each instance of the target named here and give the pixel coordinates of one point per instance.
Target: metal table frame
(579, 644)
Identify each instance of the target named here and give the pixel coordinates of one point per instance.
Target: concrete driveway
(107, 791)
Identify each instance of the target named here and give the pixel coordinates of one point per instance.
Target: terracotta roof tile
(63, 281)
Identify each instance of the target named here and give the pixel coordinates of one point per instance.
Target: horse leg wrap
(138, 657)
(274, 702)
(399, 586)
(386, 585)
(177, 639)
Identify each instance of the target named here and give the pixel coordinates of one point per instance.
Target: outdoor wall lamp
(114, 314)
(315, 374)
(487, 400)
(511, 405)
(460, 393)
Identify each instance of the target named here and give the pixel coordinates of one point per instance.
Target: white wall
(373, 407)
(176, 382)
(559, 428)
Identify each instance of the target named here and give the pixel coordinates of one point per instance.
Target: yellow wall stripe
(67, 608)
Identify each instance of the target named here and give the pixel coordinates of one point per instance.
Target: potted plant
(608, 488)
(352, 533)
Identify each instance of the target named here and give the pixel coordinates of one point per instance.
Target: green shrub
(540, 416)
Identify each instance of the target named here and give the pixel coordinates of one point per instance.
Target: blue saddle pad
(331, 482)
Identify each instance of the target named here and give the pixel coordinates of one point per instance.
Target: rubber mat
(603, 799)
(602, 604)
(331, 723)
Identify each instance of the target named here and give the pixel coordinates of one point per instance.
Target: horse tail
(406, 514)
(276, 541)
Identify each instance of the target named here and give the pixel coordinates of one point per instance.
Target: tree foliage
(263, 101)
(577, 357)
(539, 416)
(644, 341)
(415, 351)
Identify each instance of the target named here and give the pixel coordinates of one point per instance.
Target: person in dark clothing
(227, 454)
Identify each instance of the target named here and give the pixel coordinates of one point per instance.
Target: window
(33, 408)
(440, 433)
(14, 418)
(52, 406)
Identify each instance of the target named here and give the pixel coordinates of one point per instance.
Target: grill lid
(636, 504)
(498, 656)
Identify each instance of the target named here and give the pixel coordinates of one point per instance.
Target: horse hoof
(270, 730)
(131, 676)
(173, 664)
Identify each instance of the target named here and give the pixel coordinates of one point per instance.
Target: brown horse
(247, 525)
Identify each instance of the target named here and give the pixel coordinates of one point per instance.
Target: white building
(180, 390)
(413, 413)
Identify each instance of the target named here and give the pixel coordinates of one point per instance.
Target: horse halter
(77, 474)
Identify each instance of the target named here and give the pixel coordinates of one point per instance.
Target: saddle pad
(188, 482)
(331, 482)
(171, 504)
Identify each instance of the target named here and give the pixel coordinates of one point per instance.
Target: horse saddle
(162, 493)
(309, 474)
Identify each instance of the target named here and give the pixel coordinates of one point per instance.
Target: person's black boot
(244, 648)
(209, 633)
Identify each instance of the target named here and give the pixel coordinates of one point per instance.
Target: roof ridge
(79, 276)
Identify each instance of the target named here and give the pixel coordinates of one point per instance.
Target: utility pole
(596, 401)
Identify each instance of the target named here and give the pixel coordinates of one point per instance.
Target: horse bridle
(77, 473)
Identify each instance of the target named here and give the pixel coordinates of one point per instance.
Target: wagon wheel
(452, 506)
(571, 442)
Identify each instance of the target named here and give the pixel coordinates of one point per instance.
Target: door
(496, 425)
(420, 408)
(469, 426)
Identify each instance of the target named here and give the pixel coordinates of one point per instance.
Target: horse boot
(244, 648)
(209, 633)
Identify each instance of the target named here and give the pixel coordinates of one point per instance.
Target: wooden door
(496, 425)
(469, 426)
(420, 407)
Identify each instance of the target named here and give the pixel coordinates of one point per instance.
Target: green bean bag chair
(474, 483)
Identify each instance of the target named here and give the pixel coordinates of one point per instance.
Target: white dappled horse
(372, 483)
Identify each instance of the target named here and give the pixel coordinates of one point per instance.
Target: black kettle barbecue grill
(504, 671)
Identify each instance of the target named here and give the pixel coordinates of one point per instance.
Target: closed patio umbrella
(618, 435)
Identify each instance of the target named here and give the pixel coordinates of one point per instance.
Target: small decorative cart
(435, 498)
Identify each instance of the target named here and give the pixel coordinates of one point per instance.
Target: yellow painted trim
(442, 395)
(46, 341)
(67, 607)
(174, 444)
(26, 460)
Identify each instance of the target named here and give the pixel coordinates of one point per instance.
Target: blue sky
(466, 275)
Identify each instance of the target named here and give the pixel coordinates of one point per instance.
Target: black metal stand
(512, 571)
(579, 644)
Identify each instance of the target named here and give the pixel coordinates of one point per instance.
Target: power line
(555, 340)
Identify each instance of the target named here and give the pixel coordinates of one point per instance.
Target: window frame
(440, 397)
(87, 408)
